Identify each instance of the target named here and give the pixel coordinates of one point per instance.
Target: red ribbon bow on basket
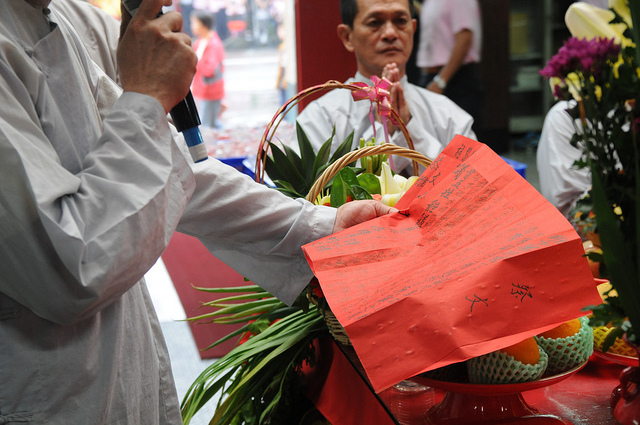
(378, 93)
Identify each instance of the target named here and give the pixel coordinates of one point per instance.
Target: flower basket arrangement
(600, 68)
(260, 379)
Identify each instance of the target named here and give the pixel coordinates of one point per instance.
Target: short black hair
(207, 19)
(349, 10)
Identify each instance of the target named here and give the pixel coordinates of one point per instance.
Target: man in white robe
(562, 183)
(94, 182)
(380, 34)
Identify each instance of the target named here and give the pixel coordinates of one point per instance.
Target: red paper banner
(475, 260)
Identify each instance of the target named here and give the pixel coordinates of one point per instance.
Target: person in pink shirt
(208, 83)
(449, 52)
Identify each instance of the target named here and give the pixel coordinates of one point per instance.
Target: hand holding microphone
(156, 58)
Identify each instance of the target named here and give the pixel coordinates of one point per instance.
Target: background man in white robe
(380, 34)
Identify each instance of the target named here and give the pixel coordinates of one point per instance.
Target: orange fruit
(525, 351)
(566, 329)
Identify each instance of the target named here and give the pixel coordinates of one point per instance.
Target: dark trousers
(465, 89)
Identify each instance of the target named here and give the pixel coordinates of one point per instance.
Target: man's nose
(389, 31)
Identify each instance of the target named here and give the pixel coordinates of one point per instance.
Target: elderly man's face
(382, 33)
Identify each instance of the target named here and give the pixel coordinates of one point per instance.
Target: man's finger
(174, 21)
(150, 9)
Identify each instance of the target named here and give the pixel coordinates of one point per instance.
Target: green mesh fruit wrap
(619, 346)
(569, 352)
(501, 368)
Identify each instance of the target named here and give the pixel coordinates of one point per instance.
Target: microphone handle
(187, 121)
(185, 114)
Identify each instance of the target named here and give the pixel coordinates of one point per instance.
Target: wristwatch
(440, 82)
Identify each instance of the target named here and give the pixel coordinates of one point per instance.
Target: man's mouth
(391, 50)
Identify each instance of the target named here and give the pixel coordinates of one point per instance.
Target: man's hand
(154, 56)
(398, 101)
(435, 88)
(357, 212)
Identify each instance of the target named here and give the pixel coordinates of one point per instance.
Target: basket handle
(271, 128)
(352, 156)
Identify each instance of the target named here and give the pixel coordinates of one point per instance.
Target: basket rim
(352, 156)
(275, 122)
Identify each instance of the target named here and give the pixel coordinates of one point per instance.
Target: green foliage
(372, 164)
(346, 185)
(294, 174)
(609, 114)
(259, 380)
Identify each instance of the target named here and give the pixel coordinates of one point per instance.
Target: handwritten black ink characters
(521, 291)
(477, 299)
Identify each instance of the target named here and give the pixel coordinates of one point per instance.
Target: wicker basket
(272, 127)
(335, 328)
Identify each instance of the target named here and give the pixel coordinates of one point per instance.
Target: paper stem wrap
(379, 94)
(475, 260)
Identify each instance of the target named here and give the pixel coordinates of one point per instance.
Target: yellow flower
(391, 199)
(616, 66)
(574, 83)
(391, 195)
(387, 183)
(622, 8)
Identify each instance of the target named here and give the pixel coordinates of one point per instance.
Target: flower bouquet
(260, 380)
(601, 72)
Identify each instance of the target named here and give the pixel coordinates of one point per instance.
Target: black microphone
(185, 114)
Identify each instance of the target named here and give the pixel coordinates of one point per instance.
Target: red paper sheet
(475, 260)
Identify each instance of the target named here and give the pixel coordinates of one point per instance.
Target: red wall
(320, 53)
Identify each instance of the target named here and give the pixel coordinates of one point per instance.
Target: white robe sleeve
(91, 234)
(561, 183)
(256, 230)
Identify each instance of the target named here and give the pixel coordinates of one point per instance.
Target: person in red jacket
(208, 82)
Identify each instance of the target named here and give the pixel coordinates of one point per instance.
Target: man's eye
(373, 23)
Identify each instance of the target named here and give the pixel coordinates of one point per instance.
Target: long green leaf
(295, 160)
(264, 343)
(283, 346)
(243, 297)
(339, 191)
(281, 168)
(306, 151)
(617, 256)
(271, 316)
(286, 188)
(237, 310)
(345, 147)
(321, 159)
(247, 288)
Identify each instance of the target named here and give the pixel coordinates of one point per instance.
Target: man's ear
(344, 33)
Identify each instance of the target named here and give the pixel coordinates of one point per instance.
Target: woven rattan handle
(347, 159)
(291, 103)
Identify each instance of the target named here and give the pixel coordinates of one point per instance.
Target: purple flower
(588, 57)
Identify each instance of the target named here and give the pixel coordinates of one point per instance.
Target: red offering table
(338, 388)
